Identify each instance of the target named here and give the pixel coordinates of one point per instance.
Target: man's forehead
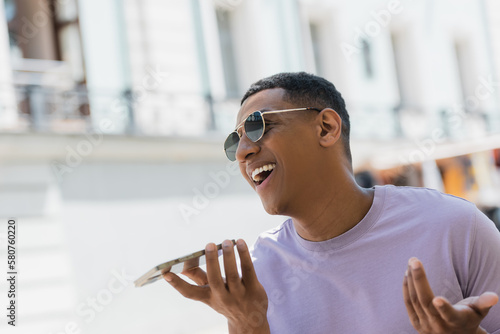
(268, 99)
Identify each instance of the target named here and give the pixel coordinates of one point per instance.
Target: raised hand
(242, 300)
(430, 315)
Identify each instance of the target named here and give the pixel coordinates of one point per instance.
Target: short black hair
(307, 90)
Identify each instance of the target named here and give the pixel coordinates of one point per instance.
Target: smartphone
(176, 266)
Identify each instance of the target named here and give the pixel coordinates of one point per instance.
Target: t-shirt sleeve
(484, 267)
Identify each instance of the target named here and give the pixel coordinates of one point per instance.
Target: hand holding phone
(182, 264)
(242, 300)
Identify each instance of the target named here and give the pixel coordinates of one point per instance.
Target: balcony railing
(53, 110)
(155, 113)
(149, 113)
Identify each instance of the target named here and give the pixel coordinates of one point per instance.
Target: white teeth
(255, 174)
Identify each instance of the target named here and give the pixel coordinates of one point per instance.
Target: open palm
(429, 314)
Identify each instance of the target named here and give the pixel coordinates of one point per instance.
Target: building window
(47, 30)
(48, 67)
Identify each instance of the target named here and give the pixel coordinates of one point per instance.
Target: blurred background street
(113, 115)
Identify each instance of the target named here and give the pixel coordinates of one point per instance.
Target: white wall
(8, 108)
(492, 9)
(106, 62)
(161, 38)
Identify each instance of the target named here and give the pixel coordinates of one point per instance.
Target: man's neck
(334, 213)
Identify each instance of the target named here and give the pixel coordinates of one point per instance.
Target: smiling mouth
(262, 173)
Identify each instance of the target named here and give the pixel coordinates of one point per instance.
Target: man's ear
(329, 127)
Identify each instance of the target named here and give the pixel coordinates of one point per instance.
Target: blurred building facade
(107, 103)
(415, 76)
(179, 67)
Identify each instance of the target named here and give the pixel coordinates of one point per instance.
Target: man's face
(287, 147)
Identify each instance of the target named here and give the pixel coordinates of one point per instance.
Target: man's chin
(272, 208)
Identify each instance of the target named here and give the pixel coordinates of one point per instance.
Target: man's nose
(246, 148)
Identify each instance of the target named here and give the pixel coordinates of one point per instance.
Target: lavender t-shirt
(353, 283)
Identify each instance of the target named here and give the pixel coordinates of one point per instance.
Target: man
(346, 260)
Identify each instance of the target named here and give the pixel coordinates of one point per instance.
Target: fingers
(480, 305)
(232, 277)
(193, 271)
(187, 290)
(413, 297)
(190, 264)
(197, 275)
(412, 314)
(213, 269)
(483, 304)
(445, 309)
(211, 281)
(422, 289)
(247, 269)
(435, 314)
(418, 296)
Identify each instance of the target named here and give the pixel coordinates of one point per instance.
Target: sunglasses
(255, 127)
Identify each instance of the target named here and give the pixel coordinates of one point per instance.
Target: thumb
(485, 302)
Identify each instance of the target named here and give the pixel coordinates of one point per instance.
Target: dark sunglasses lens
(254, 126)
(231, 145)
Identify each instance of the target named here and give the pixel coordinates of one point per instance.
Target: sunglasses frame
(262, 113)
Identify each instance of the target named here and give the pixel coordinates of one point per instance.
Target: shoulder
(423, 194)
(427, 211)
(418, 198)
(434, 211)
